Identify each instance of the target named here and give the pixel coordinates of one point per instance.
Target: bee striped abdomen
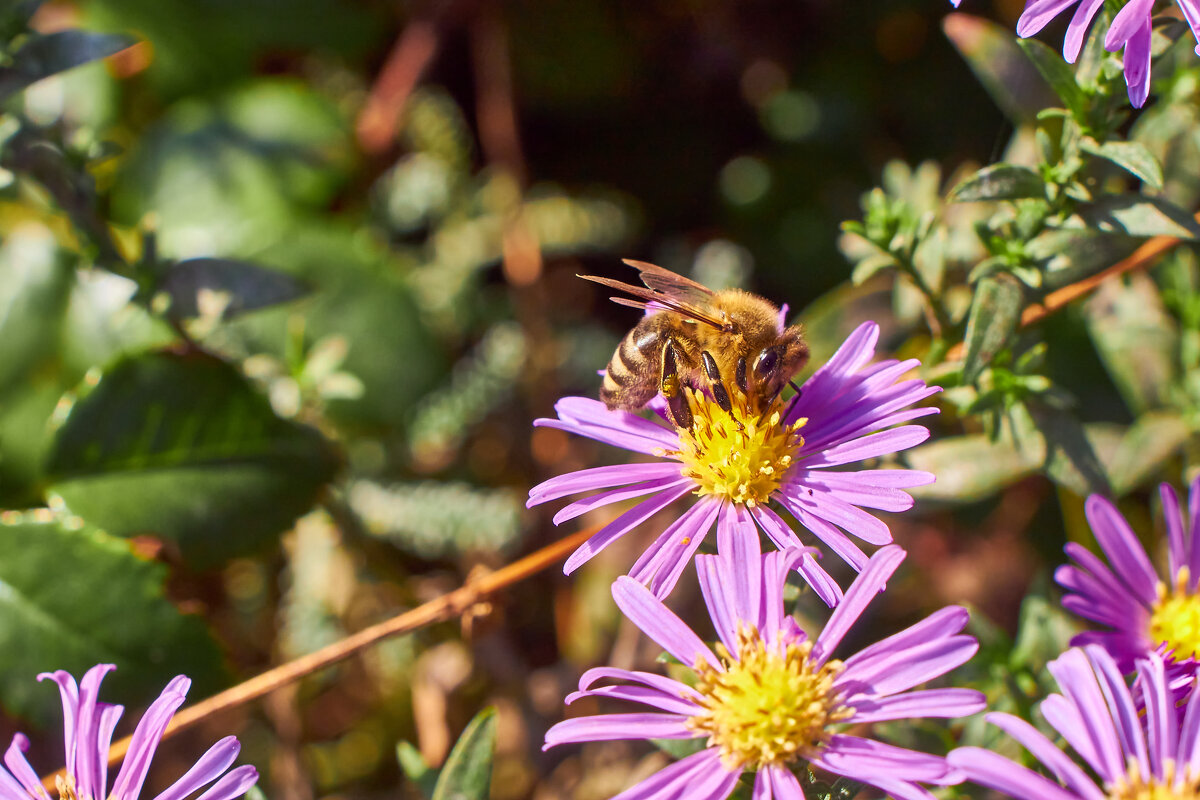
(630, 379)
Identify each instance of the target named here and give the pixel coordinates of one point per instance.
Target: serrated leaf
(74, 597)
(1143, 452)
(415, 769)
(44, 55)
(242, 286)
(1000, 182)
(467, 773)
(995, 312)
(991, 53)
(1138, 215)
(969, 468)
(1133, 157)
(1058, 73)
(1056, 439)
(180, 446)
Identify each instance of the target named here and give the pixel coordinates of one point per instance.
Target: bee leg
(671, 389)
(742, 382)
(720, 393)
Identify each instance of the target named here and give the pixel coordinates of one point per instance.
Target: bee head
(778, 363)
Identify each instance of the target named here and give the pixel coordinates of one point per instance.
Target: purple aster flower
(89, 726)
(1142, 611)
(736, 463)
(1155, 754)
(767, 698)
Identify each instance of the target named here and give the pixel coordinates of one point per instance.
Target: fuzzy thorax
(741, 456)
(771, 703)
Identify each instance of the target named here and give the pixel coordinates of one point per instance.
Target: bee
(693, 336)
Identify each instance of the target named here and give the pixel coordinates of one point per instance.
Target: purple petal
(1077, 30)
(235, 784)
(852, 519)
(206, 770)
(609, 727)
(586, 480)
(621, 526)
(700, 776)
(996, 772)
(856, 756)
(1137, 65)
(1191, 12)
(776, 529)
(1189, 737)
(768, 606)
(640, 694)
(1162, 724)
(1094, 734)
(109, 715)
(1047, 752)
(11, 790)
(822, 582)
(1126, 24)
(663, 684)
(1177, 549)
(940, 624)
(14, 759)
(1121, 545)
(731, 581)
(88, 775)
(69, 691)
(658, 622)
(838, 542)
(1121, 706)
(948, 703)
(581, 507)
(1040, 12)
(865, 587)
(872, 445)
(899, 670)
(664, 561)
(870, 488)
(592, 419)
(146, 736)
(784, 785)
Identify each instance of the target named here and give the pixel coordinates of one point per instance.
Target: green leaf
(1138, 215)
(870, 266)
(1134, 157)
(1005, 72)
(1058, 73)
(1000, 182)
(1055, 438)
(74, 597)
(467, 773)
(1143, 452)
(1043, 632)
(46, 55)
(995, 312)
(968, 468)
(1136, 339)
(245, 286)
(415, 769)
(180, 446)
(1067, 255)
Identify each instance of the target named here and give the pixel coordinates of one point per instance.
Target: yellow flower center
(770, 705)
(1175, 618)
(1135, 787)
(742, 455)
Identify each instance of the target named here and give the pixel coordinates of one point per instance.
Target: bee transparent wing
(660, 299)
(685, 290)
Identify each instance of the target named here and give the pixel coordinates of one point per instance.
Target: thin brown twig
(439, 609)
(1143, 257)
(406, 63)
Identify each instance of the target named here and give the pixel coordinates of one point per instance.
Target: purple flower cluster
(88, 727)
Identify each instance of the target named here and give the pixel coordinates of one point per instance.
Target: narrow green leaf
(467, 773)
(74, 597)
(1000, 182)
(1058, 73)
(415, 769)
(990, 51)
(968, 468)
(870, 266)
(1043, 632)
(242, 285)
(995, 312)
(1133, 157)
(1143, 452)
(1066, 255)
(1056, 438)
(179, 445)
(48, 54)
(1138, 215)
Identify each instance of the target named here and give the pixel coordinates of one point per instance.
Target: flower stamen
(1175, 617)
(1174, 785)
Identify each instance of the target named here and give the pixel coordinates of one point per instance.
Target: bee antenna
(795, 398)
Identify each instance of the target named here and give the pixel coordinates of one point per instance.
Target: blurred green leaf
(1000, 182)
(1056, 439)
(415, 769)
(968, 468)
(44, 55)
(467, 773)
(37, 278)
(1134, 157)
(1145, 450)
(1058, 73)
(1067, 255)
(995, 312)
(242, 286)
(1139, 215)
(179, 446)
(74, 597)
(1043, 633)
(992, 54)
(1136, 339)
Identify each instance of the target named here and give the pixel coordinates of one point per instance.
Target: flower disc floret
(1175, 618)
(767, 705)
(741, 456)
(1173, 785)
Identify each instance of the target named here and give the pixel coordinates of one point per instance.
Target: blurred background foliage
(283, 284)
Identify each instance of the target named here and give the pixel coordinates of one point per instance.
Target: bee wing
(660, 299)
(670, 283)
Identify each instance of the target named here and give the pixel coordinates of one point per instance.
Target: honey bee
(693, 336)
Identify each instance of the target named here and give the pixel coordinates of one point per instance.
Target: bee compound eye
(766, 363)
